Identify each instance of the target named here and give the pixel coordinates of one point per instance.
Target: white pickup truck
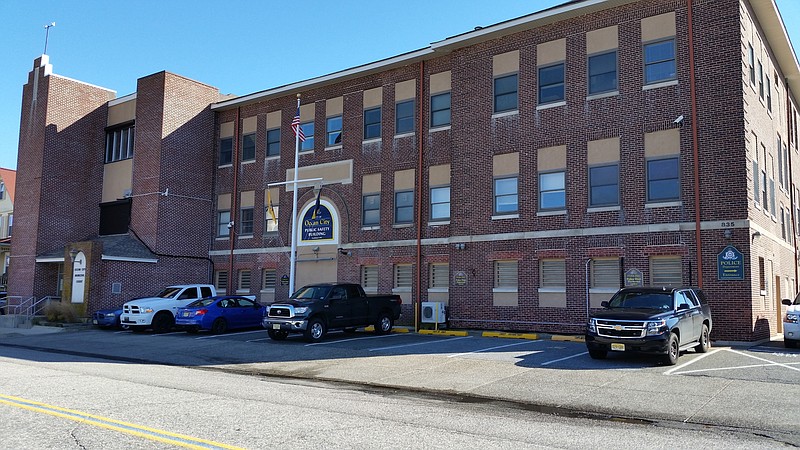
(158, 312)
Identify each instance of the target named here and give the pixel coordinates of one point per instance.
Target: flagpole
(293, 256)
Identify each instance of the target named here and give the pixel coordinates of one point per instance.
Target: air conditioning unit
(433, 312)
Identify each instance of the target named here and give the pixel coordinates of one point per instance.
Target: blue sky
(237, 46)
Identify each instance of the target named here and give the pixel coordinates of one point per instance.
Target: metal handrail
(35, 309)
(31, 306)
(14, 307)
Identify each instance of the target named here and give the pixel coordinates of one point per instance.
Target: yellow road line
(112, 424)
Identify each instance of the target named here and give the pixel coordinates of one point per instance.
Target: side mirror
(604, 304)
(786, 301)
(683, 307)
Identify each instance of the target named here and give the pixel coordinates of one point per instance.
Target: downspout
(696, 151)
(791, 180)
(420, 140)
(234, 197)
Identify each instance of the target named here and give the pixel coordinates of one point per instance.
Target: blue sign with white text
(317, 227)
(730, 264)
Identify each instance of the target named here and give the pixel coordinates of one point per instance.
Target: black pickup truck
(315, 309)
(662, 321)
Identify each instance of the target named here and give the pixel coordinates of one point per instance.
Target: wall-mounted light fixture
(756, 234)
(728, 233)
(72, 254)
(344, 252)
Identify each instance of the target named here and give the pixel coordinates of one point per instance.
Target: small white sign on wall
(78, 278)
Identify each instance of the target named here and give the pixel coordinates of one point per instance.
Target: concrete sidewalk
(758, 407)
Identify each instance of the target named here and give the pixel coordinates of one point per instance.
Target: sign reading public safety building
(730, 264)
(317, 227)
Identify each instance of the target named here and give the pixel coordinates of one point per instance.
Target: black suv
(661, 321)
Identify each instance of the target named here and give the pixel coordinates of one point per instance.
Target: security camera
(230, 224)
(679, 120)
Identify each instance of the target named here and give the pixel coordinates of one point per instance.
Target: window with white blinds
(268, 279)
(505, 274)
(221, 281)
(403, 276)
(244, 280)
(665, 271)
(369, 278)
(553, 274)
(440, 275)
(605, 273)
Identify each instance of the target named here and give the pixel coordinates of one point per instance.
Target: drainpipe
(234, 197)
(695, 149)
(791, 180)
(588, 296)
(420, 144)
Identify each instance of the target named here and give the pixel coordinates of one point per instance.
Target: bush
(61, 313)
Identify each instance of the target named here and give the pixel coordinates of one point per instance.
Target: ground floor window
(665, 271)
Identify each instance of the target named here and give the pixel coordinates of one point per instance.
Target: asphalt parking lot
(766, 362)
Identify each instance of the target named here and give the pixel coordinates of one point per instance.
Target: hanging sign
(317, 227)
(730, 264)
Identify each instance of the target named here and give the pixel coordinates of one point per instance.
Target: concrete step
(15, 321)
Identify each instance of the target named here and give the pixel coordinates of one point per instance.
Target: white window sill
(505, 114)
(401, 290)
(503, 290)
(377, 227)
(553, 290)
(505, 216)
(438, 290)
(242, 291)
(403, 225)
(333, 147)
(603, 290)
(224, 166)
(438, 223)
(560, 212)
(249, 161)
(551, 105)
(603, 208)
(248, 236)
(663, 204)
(268, 290)
(273, 157)
(660, 84)
(370, 141)
(222, 238)
(305, 152)
(441, 128)
(602, 95)
(398, 136)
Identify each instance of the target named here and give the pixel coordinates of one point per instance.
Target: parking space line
(751, 366)
(563, 359)
(674, 369)
(352, 339)
(418, 343)
(259, 340)
(765, 360)
(230, 334)
(167, 334)
(491, 348)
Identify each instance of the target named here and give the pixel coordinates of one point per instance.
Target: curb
(563, 338)
(508, 335)
(443, 332)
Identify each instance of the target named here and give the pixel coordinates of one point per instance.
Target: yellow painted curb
(568, 338)
(500, 334)
(371, 328)
(443, 332)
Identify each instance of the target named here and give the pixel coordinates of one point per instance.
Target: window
(769, 96)
(439, 276)
(404, 117)
(225, 151)
(333, 126)
(268, 279)
(783, 223)
(551, 84)
(605, 273)
(371, 212)
(271, 224)
(119, 143)
(665, 271)
(403, 276)
(244, 281)
(223, 219)
(553, 274)
(249, 147)
(552, 191)
(246, 221)
(603, 73)
(372, 123)
(308, 132)
(440, 203)
(756, 189)
(404, 207)
(764, 191)
(505, 274)
(659, 61)
(221, 281)
(505, 93)
(772, 196)
(780, 164)
(2, 190)
(369, 278)
(662, 180)
(760, 80)
(604, 185)
(274, 142)
(440, 110)
(505, 196)
(751, 60)
(762, 276)
(10, 224)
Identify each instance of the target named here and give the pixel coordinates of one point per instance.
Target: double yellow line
(111, 424)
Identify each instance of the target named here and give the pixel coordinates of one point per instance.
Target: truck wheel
(219, 326)
(384, 323)
(673, 350)
(597, 353)
(163, 322)
(315, 330)
(704, 343)
(277, 335)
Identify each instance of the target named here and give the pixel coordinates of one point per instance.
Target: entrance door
(778, 306)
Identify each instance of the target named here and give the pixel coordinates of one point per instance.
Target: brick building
(520, 173)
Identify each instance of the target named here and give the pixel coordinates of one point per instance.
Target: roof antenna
(47, 34)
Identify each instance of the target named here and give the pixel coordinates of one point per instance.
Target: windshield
(642, 300)
(169, 292)
(312, 292)
(201, 302)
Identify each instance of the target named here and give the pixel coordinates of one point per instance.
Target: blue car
(108, 318)
(219, 314)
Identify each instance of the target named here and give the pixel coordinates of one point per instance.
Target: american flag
(298, 130)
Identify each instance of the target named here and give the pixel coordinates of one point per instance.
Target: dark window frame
(273, 142)
(407, 207)
(496, 196)
(370, 124)
(650, 180)
(226, 151)
(646, 64)
(438, 110)
(592, 185)
(308, 132)
(245, 222)
(590, 75)
(505, 93)
(542, 86)
(365, 210)
(249, 147)
(439, 203)
(563, 189)
(404, 123)
(333, 136)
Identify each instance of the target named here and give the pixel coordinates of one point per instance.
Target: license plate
(186, 314)
(276, 326)
(618, 347)
(126, 319)
(94, 321)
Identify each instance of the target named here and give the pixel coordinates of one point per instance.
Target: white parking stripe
(670, 371)
(751, 366)
(764, 359)
(259, 340)
(352, 339)
(167, 334)
(418, 343)
(230, 334)
(492, 348)
(563, 359)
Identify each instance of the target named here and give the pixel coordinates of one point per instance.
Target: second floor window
(119, 143)
(225, 151)
(552, 191)
(372, 123)
(223, 219)
(505, 93)
(404, 207)
(604, 185)
(662, 180)
(551, 84)
(440, 203)
(249, 147)
(404, 119)
(371, 215)
(603, 73)
(505, 196)
(308, 132)
(274, 142)
(440, 110)
(246, 220)
(334, 130)
(659, 61)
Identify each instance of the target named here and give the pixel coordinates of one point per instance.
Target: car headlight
(790, 318)
(146, 310)
(111, 315)
(592, 326)
(300, 310)
(656, 327)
